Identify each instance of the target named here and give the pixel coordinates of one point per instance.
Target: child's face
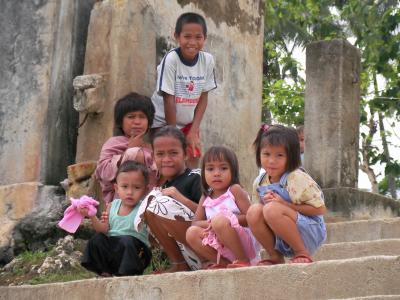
(274, 161)
(191, 40)
(301, 140)
(218, 174)
(169, 156)
(135, 123)
(131, 187)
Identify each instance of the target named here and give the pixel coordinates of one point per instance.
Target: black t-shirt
(188, 184)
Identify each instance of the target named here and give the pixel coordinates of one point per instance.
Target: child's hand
(136, 141)
(193, 142)
(104, 215)
(172, 192)
(83, 211)
(271, 196)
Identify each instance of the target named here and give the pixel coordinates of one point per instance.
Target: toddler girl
(219, 232)
(133, 116)
(170, 211)
(288, 220)
(117, 248)
(184, 78)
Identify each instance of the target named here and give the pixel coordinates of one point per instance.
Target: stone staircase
(360, 260)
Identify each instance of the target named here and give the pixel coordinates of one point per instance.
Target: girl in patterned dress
(288, 218)
(218, 233)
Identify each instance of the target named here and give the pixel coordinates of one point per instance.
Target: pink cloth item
(114, 150)
(72, 218)
(226, 205)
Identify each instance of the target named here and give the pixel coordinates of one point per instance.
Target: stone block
(332, 100)
(16, 201)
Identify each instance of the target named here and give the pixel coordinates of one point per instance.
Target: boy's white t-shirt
(186, 81)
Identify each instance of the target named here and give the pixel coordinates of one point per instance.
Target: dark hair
(187, 18)
(279, 135)
(220, 153)
(170, 131)
(129, 103)
(132, 165)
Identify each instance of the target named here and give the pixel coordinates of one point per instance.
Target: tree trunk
(366, 145)
(390, 177)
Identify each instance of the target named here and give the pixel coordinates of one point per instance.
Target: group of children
(201, 219)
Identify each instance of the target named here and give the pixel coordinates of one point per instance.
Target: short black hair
(132, 165)
(170, 131)
(279, 135)
(187, 18)
(220, 153)
(129, 103)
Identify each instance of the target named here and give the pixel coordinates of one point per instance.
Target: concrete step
(358, 277)
(358, 249)
(375, 297)
(363, 230)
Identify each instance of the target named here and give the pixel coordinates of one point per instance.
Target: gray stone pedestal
(332, 105)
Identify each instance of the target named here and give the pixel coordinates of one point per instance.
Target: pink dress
(226, 205)
(114, 150)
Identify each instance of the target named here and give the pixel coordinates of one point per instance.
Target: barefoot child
(288, 221)
(117, 249)
(219, 232)
(170, 212)
(185, 76)
(133, 116)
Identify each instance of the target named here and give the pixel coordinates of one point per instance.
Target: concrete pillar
(332, 106)
(42, 50)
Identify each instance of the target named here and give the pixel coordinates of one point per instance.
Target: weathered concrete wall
(332, 103)
(41, 51)
(352, 204)
(42, 48)
(126, 41)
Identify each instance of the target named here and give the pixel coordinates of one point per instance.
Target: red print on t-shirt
(190, 86)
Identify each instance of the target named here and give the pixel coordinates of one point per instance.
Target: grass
(73, 274)
(23, 273)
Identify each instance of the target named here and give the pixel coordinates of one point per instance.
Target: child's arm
(169, 109)
(174, 193)
(200, 215)
(96, 223)
(193, 137)
(304, 209)
(242, 202)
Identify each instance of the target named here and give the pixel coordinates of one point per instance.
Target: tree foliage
(373, 27)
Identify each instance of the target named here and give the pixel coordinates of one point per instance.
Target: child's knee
(254, 214)
(193, 234)
(272, 211)
(220, 222)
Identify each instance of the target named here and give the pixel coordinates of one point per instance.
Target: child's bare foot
(301, 259)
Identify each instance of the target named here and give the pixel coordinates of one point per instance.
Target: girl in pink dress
(219, 232)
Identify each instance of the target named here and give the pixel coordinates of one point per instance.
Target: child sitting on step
(117, 248)
(288, 220)
(219, 230)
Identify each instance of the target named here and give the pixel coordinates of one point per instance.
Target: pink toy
(72, 218)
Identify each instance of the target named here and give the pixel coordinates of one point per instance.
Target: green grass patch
(71, 275)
